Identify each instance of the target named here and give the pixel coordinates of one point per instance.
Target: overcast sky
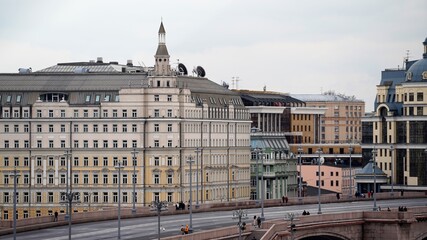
(288, 46)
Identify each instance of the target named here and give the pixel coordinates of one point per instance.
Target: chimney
(99, 60)
(129, 63)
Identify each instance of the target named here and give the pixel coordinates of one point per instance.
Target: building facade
(67, 128)
(397, 129)
(273, 165)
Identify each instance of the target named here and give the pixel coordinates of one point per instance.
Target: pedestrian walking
(56, 216)
(258, 221)
(254, 223)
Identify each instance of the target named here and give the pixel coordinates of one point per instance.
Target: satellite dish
(200, 71)
(182, 69)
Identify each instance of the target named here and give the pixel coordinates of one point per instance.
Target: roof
(161, 29)
(324, 98)
(368, 170)
(162, 50)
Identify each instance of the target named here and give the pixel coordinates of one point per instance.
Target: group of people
(305, 213)
(180, 206)
(184, 230)
(285, 199)
(257, 221)
(402, 209)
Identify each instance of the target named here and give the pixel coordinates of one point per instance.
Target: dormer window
(8, 99)
(87, 98)
(18, 99)
(409, 76)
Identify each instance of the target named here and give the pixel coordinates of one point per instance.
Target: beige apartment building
(68, 127)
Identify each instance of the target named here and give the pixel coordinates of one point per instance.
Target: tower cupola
(162, 66)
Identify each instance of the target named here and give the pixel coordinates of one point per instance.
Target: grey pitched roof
(43, 82)
(162, 29)
(321, 98)
(162, 50)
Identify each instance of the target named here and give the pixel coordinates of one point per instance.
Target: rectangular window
(105, 143)
(105, 113)
(39, 113)
(124, 128)
(50, 143)
(156, 98)
(134, 128)
(95, 113)
(85, 113)
(95, 143)
(50, 112)
(76, 113)
(169, 161)
(85, 128)
(16, 128)
(115, 144)
(62, 143)
(26, 113)
(170, 143)
(95, 179)
(62, 128)
(169, 127)
(105, 128)
(26, 128)
(156, 179)
(134, 113)
(156, 112)
(156, 143)
(125, 143)
(39, 144)
(62, 113)
(169, 98)
(114, 127)
(169, 178)
(156, 127)
(95, 127)
(87, 99)
(125, 113)
(134, 144)
(115, 113)
(39, 128)
(169, 112)
(420, 97)
(50, 128)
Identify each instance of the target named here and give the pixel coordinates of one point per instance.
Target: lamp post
(300, 174)
(190, 160)
(350, 149)
(134, 178)
(391, 169)
(262, 187)
(67, 180)
(15, 176)
(119, 167)
(159, 207)
(240, 214)
(291, 217)
(319, 151)
(197, 176)
(257, 150)
(374, 152)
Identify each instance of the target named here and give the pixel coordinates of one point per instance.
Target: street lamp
(262, 187)
(159, 207)
(350, 149)
(374, 152)
(319, 151)
(134, 178)
(190, 160)
(67, 181)
(300, 174)
(15, 176)
(240, 214)
(391, 169)
(256, 150)
(119, 167)
(291, 217)
(197, 151)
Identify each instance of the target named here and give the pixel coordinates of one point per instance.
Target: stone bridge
(371, 225)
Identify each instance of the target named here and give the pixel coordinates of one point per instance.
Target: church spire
(162, 67)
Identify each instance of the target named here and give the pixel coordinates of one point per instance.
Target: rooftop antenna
(406, 59)
(237, 83)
